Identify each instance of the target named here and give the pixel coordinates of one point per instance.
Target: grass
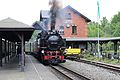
(105, 60)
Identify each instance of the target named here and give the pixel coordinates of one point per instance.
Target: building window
(68, 16)
(74, 29)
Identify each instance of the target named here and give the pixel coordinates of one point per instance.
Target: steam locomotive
(50, 47)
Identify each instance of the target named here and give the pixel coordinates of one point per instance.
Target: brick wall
(79, 22)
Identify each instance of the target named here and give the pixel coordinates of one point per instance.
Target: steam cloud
(54, 12)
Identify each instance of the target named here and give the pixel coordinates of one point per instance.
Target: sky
(28, 11)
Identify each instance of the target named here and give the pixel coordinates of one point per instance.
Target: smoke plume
(54, 12)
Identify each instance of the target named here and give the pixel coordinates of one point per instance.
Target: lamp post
(98, 41)
(98, 20)
(118, 55)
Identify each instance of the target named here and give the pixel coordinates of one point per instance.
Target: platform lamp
(67, 25)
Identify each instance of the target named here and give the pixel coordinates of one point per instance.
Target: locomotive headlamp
(65, 51)
(42, 51)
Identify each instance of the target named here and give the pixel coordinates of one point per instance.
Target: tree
(116, 18)
(105, 27)
(115, 29)
(115, 25)
(104, 21)
(92, 29)
(34, 35)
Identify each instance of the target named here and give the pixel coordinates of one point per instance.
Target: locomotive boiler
(50, 47)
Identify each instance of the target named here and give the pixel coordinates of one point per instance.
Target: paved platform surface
(33, 70)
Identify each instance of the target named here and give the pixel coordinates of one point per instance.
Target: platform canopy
(93, 39)
(11, 30)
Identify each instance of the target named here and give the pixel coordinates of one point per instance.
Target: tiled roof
(74, 10)
(11, 23)
(46, 14)
(11, 30)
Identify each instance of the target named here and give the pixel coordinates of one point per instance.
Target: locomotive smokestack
(54, 12)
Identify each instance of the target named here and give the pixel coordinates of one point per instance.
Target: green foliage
(116, 29)
(92, 29)
(105, 60)
(34, 36)
(106, 28)
(116, 18)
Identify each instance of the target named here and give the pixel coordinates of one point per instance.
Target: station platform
(34, 70)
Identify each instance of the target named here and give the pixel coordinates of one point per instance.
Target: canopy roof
(11, 29)
(94, 39)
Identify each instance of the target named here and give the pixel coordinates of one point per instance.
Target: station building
(73, 24)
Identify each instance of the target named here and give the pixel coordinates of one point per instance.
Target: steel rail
(99, 64)
(71, 75)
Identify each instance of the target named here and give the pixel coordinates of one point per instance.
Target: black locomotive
(50, 47)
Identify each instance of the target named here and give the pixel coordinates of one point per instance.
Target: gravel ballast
(91, 71)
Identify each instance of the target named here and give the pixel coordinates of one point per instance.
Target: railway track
(68, 74)
(99, 64)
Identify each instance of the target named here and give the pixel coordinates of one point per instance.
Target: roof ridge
(80, 14)
(13, 23)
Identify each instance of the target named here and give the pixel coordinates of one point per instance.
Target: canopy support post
(22, 54)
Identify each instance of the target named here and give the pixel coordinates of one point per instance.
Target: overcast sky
(28, 11)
